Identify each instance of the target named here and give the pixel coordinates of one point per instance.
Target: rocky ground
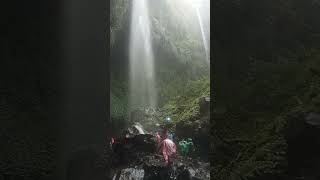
(135, 156)
(151, 167)
(137, 159)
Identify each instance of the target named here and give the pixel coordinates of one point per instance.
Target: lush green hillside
(178, 52)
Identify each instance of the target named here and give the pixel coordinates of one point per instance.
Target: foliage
(258, 150)
(178, 53)
(118, 100)
(184, 102)
(119, 10)
(266, 69)
(263, 72)
(171, 31)
(261, 106)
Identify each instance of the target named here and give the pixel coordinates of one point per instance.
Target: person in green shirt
(186, 146)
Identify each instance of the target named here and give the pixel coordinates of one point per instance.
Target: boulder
(151, 167)
(131, 174)
(313, 119)
(127, 150)
(134, 130)
(136, 157)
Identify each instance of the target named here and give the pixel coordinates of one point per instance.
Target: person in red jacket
(112, 143)
(168, 149)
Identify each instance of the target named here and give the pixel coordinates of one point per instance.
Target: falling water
(204, 40)
(141, 60)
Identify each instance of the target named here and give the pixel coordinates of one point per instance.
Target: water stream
(142, 91)
(204, 39)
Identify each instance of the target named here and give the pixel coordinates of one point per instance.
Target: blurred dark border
(54, 85)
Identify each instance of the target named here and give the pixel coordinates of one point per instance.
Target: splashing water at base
(141, 61)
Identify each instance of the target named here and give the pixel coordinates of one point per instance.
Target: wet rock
(193, 174)
(136, 157)
(200, 173)
(138, 143)
(182, 168)
(186, 175)
(134, 130)
(139, 153)
(154, 168)
(131, 174)
(129, 149)
(313, 119)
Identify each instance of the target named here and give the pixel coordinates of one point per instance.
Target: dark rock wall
(29, 89)
(54, 83)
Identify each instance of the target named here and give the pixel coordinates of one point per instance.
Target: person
(112, 142)
(183, 147)
(173, 137)
(170, 136)
(158, 137)
(168, 149)
(165, 133)
(186, 146)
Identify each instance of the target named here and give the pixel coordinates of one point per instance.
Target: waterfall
(142, 91)
(204, 39)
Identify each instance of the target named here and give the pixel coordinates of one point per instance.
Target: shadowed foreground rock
(303, 137)
(151, 167)
(133, 157)
(136, 158)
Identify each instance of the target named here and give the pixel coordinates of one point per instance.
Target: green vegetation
(119, 100)
(265, 73)
(250, 139)
(118, 13)
(184, 101)
(266, 69)
(179, 57)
